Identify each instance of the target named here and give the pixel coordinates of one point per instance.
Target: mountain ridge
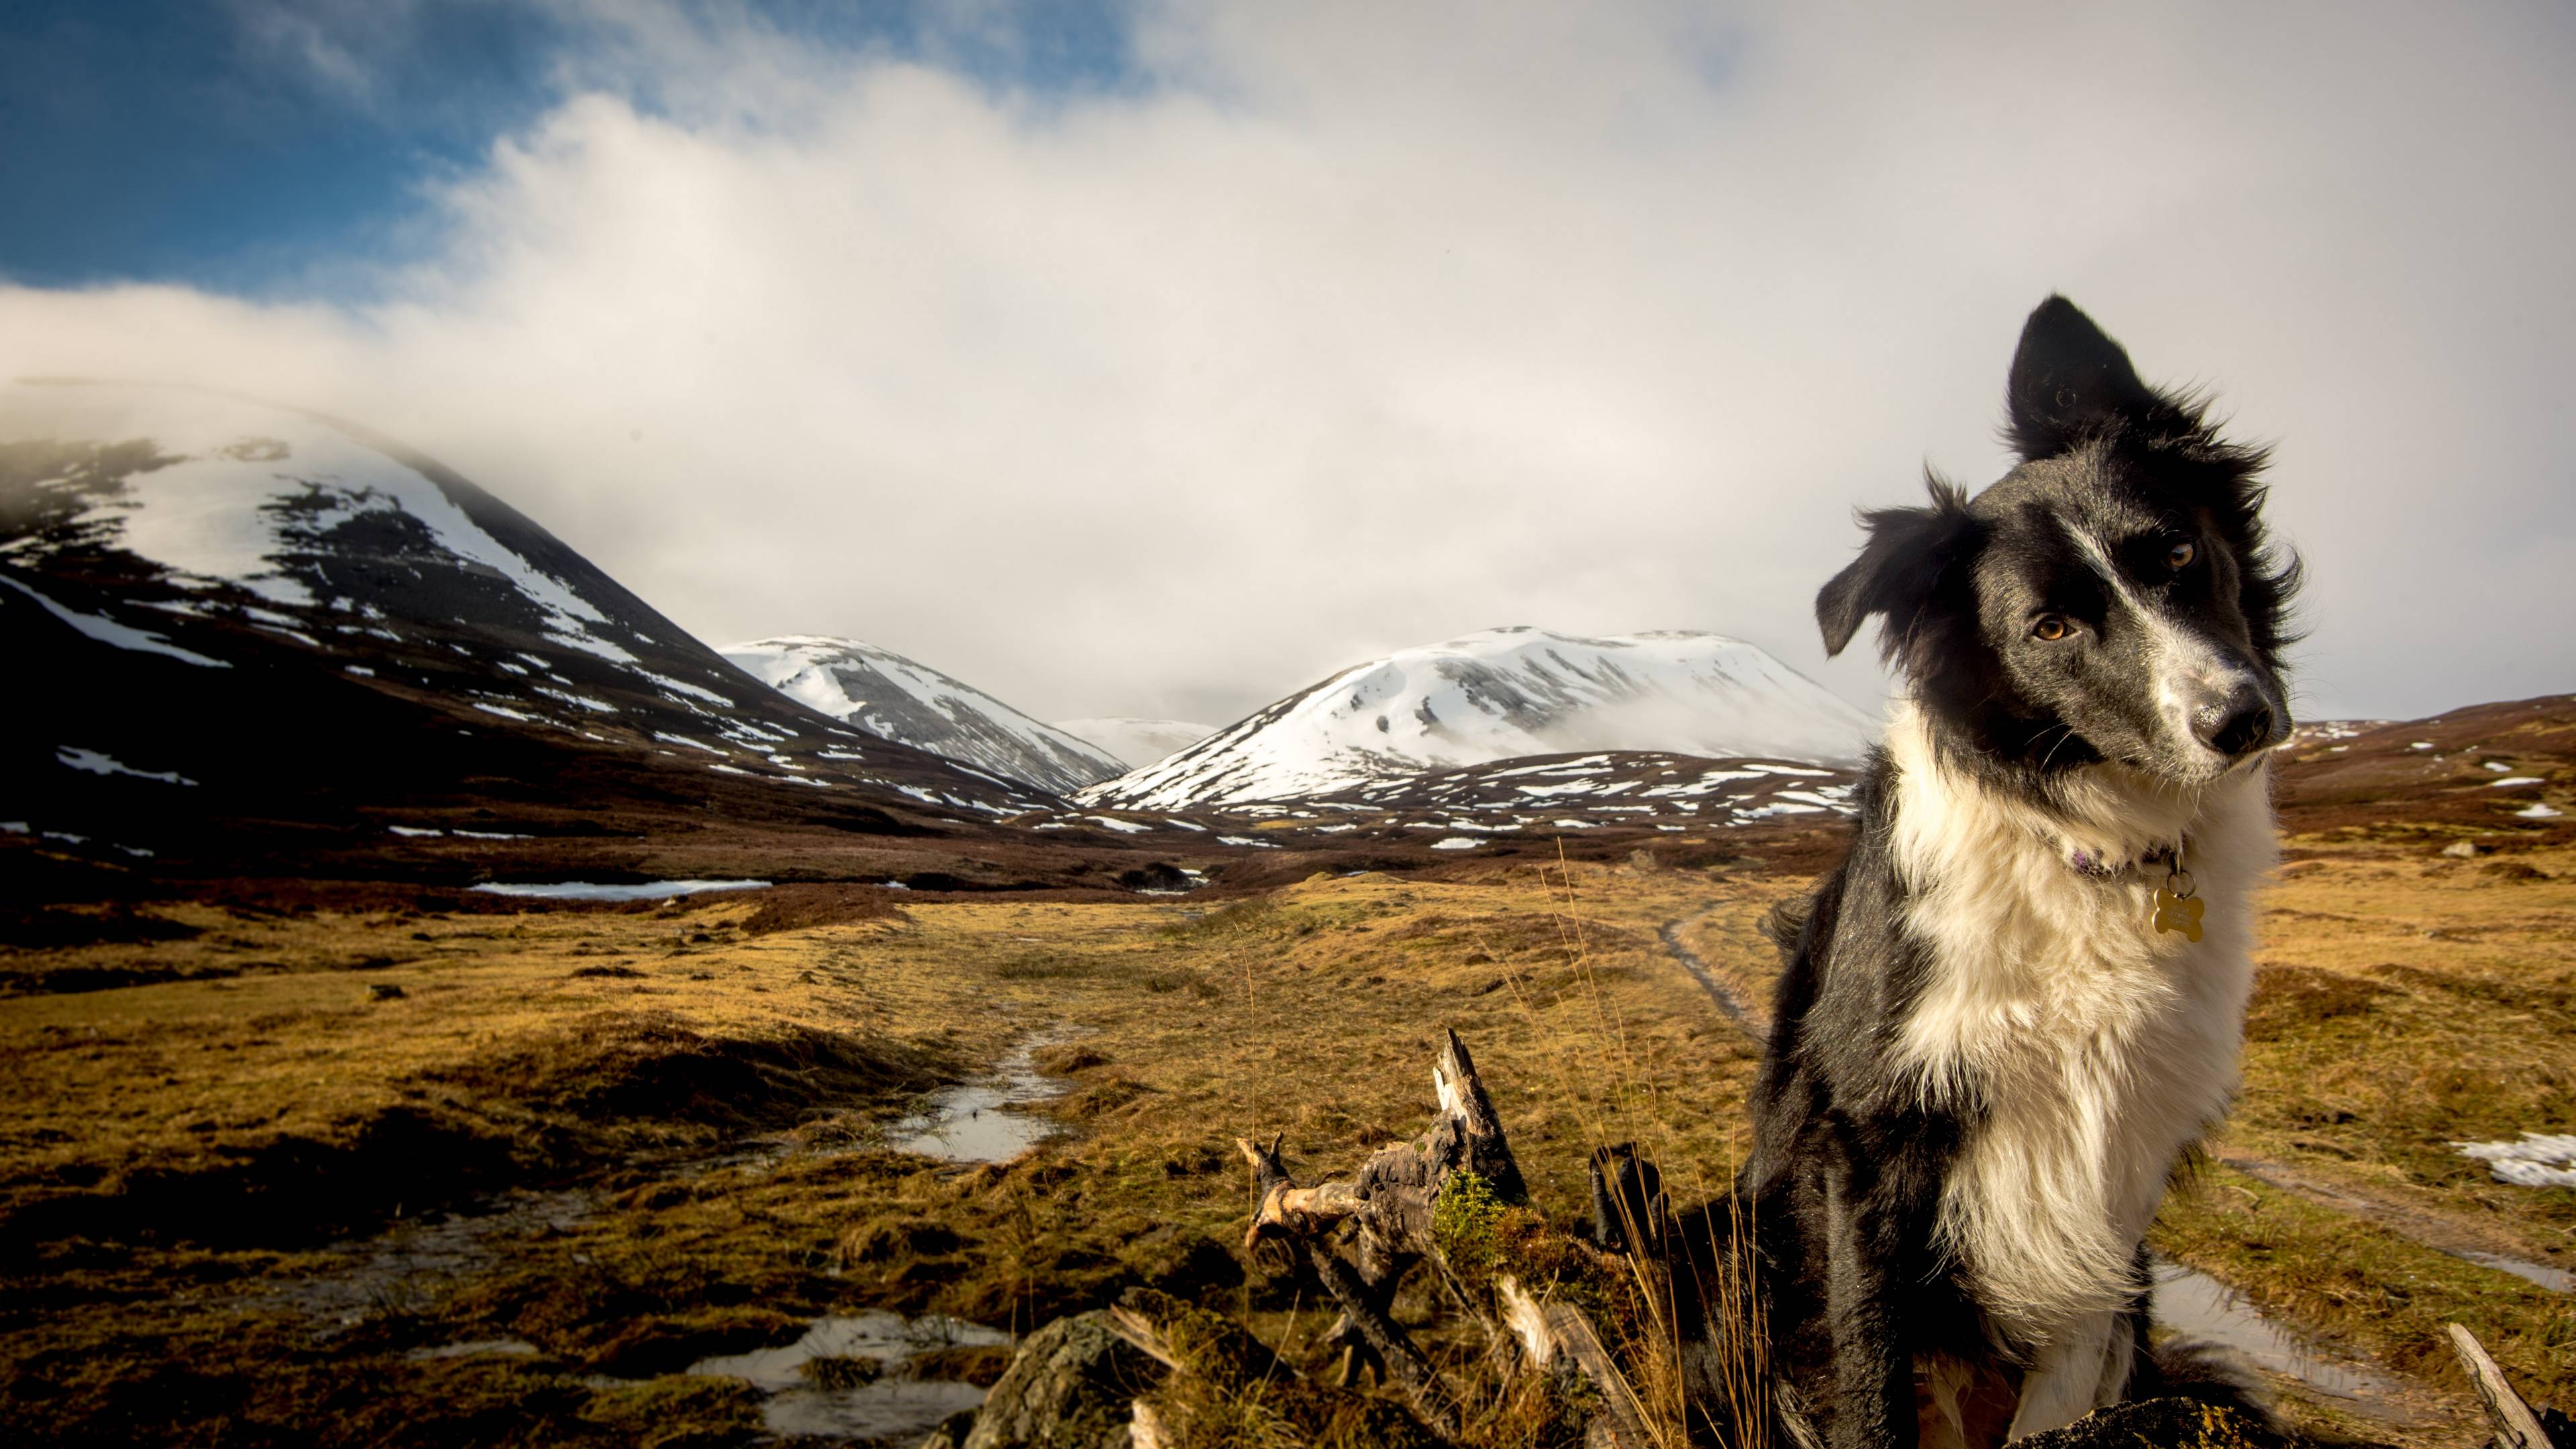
(234, 611)
(896, 698)
(1504, 693)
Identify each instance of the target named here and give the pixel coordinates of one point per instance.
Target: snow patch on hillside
(1501, 694)
(246, 488)
(897, 699)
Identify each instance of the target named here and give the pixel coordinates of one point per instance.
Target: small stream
(1737, 1012)
(866, 1389)
(2556, 1280)
(2435, 1237)
(979, 1121)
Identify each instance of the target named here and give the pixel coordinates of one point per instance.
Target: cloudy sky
(1158, 359)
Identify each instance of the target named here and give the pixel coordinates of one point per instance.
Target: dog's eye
(2050, 628)
(2181, 556)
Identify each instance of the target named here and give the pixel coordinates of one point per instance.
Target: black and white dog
(2017, 1005)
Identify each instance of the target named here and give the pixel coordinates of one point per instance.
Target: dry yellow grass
(1311, 1011)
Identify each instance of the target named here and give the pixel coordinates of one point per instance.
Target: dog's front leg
(1873, 1376)
(2074, 1375)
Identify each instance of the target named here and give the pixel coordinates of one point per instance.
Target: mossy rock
(1072, 1385)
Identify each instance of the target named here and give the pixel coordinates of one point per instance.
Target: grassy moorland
(182, 1155)
(429, 1174)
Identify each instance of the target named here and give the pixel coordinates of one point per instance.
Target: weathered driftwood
(2516, 1426)
(1551, 1333)
(1364, 1310)
(1390, 1206)
(1399, 1186)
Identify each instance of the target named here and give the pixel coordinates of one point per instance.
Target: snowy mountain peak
(1503, 693)
(897, 699)
(329, 596)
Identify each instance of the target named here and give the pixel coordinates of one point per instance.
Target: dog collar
(2177, 909)
(2086, 862)
(2178, 906)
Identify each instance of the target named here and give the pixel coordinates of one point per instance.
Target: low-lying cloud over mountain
(1285, 335)
(1137, 742)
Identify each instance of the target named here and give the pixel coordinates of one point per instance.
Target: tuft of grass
(1043, 966)
(1198, 985)
(1233, 921)
(1464, 1225)
(839, 1373)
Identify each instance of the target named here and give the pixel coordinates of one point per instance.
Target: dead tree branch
(1390, 1204)
(2516, 1426)
(1554, 1332)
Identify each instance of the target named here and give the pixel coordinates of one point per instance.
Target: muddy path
(1739, 1013)
(2459, 1235)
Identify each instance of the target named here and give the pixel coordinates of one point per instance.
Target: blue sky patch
(284, 149)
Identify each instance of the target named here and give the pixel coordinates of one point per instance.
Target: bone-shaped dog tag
(2179, 913)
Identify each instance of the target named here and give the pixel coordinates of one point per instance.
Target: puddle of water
(508, 1347)
(2556, 1280)
(974, 1123)
(406, 1267)
(582, 890)
(890, 1405)
(2199, 1307)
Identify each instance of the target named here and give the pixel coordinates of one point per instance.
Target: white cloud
(1353, 328)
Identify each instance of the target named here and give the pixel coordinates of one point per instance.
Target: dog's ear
(1899, 569)
(2070, 381)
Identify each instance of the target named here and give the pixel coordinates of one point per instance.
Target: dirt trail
(2457, 1234)
(1738, 1014)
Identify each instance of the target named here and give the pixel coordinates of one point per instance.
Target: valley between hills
(334, 1114)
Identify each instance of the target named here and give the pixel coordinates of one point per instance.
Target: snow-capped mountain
(231, 610)
(893, 698)
(1137, 742)
(1501, 694)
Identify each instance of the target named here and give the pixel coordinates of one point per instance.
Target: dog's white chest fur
(2099, 1047)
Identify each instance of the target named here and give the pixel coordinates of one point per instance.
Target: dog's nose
(2242, 721)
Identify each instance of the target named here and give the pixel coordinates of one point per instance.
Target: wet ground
(848, 1377)
(983, 1121)
(852, 1377)
(2200, 1309)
